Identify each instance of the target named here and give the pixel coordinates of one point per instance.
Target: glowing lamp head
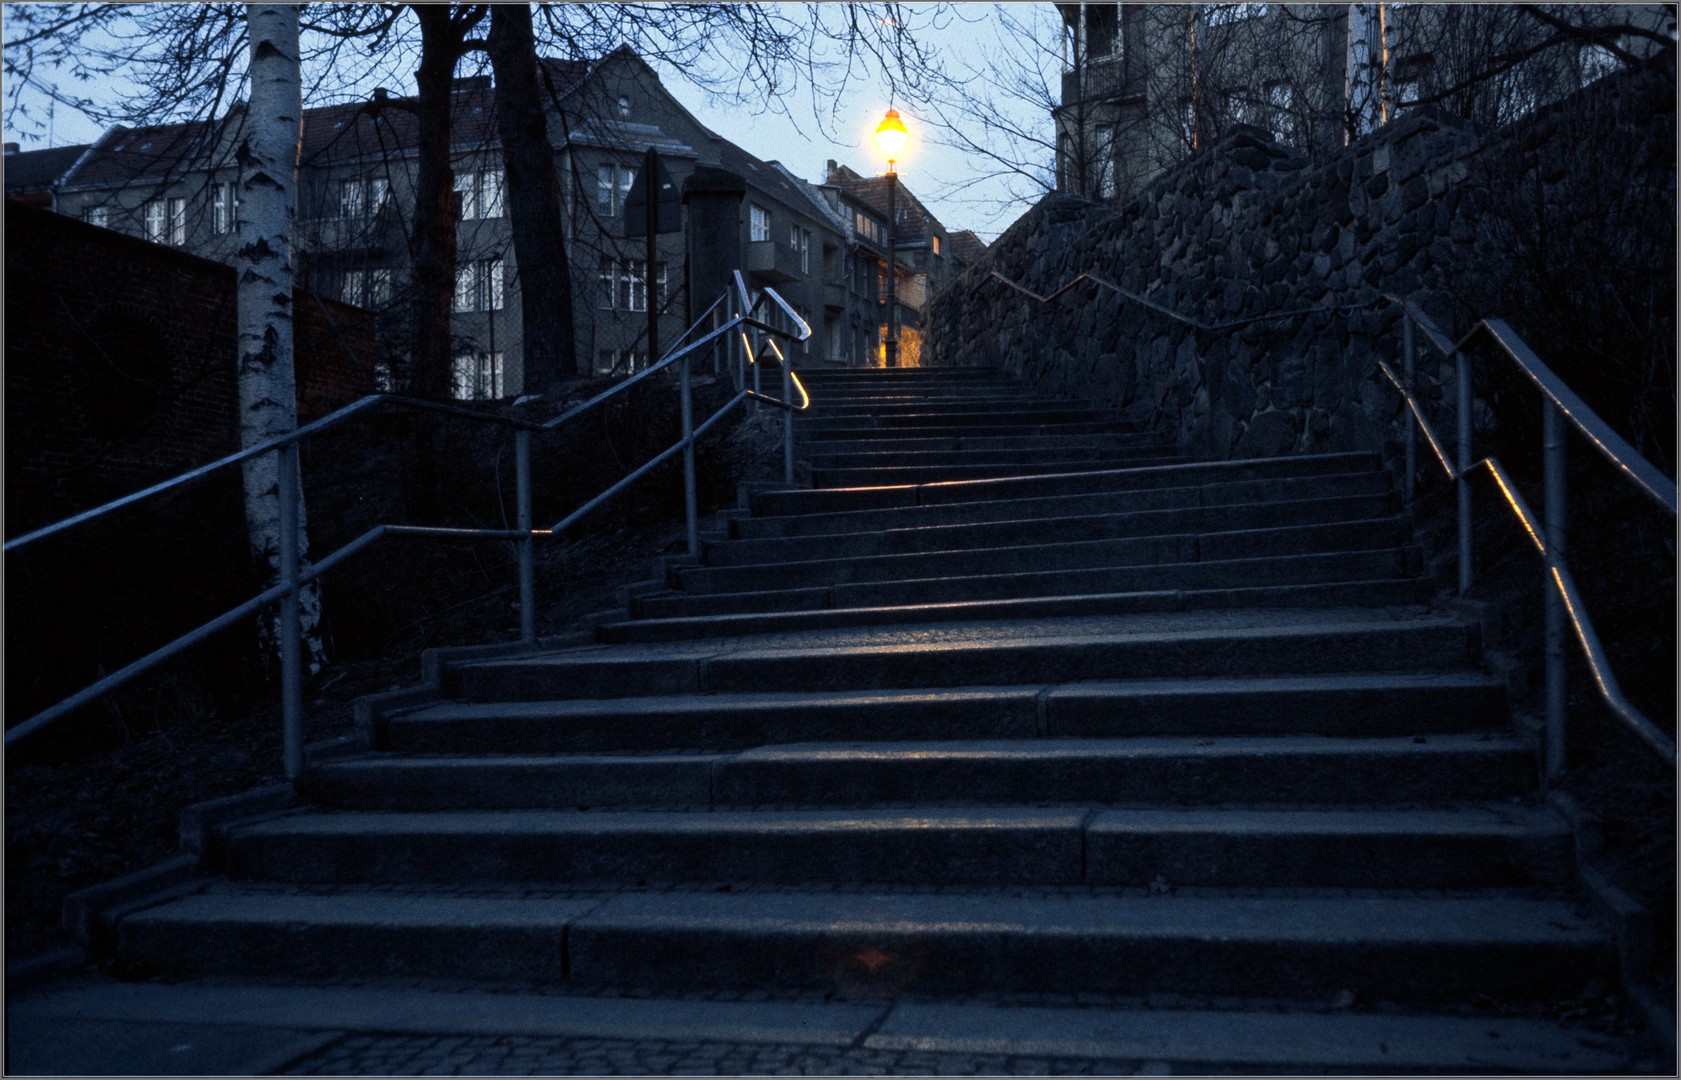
(891, 136)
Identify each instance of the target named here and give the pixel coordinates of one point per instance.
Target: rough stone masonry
(1429, 208)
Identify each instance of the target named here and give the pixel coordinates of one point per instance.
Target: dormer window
(624, 107)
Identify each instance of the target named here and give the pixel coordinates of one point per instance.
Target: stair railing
(744, 317)
(1562, 598)
(1559, 403)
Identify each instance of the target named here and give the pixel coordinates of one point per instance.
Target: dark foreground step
(1377, 847)
(1400, 947)
(1380, 704)
(1168, 770)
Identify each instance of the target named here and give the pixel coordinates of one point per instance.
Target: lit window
(758, 223)
(935, 240)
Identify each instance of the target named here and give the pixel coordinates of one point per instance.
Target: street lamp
(891, 137)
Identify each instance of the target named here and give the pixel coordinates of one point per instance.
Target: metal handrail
(1563, 599)
(1592, 650)
(294, 577)
(1144, 301)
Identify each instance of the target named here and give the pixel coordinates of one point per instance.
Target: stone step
(1213, 493)
(1047, 526)
(895, 376)
(1383, 947)
(1145, 769)
(767, 503)
(826, 461)
(1381, 704)
(1383, 847)
(741, 614)
(1133, 551)
(839, 429)
(816, 448)
(1168, 583)
(1020, 415)
(1027, 651)
(1001, 400)
(988, 466)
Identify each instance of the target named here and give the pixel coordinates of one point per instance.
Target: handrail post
(527, 556)
(1409, 367)
(1462, 483)
(691, 511)
(1552, 438)
(291, 643)
(788, 422)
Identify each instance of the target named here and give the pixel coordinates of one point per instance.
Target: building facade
(1145, 85)
(177, 185)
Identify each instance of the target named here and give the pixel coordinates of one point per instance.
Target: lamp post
(891, 137)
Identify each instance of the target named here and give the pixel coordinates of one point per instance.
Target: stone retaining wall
(1428, 208)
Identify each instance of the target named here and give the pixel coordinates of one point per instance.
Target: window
(612, 185)
(868, 228)
(166, 221)
(623, 285)
(1404, 94)
(1237, 106)
(1101, 36)
(935, 241)
(476, 376)
(1105, 154)
(479, 194)
(97, 215)
(479, 286)
(224, 208)
(362, 197)
(1281, 111)
(630, 361)
(372, 288)
(800, 240)
(758, 223)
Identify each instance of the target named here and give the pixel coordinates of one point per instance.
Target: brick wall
(120, 363)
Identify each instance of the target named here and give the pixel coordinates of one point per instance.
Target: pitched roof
(966, 247)
(915, 222)
(773, 179)
(35, 170)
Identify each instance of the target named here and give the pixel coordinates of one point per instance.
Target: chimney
(11, 148)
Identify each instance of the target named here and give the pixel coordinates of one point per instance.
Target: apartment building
(177, 185)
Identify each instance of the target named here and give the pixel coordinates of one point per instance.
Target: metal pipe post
(788, 421)
(527, 555)
(1552, 438)
(1462, 483)
(891, 350)
(291, 637)
(691, 506)
(1409, 366)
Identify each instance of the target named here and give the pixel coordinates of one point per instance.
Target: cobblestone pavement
(525, 1056)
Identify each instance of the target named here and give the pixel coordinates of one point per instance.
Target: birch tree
(268, 399)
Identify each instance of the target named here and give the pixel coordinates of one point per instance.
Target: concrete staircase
(1090, 720)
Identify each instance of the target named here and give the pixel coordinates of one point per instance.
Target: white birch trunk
(268, 399)
(1365, 67)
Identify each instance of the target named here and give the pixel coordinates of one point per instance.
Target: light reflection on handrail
(1592, 650)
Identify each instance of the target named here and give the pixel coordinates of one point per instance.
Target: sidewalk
(92, 1024)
